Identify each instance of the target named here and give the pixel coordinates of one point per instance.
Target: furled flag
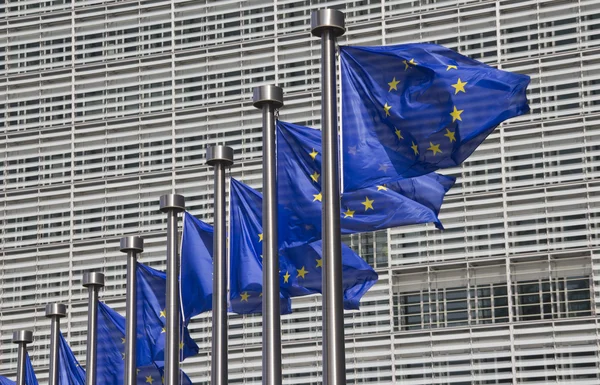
(389, 204)
(411, 109)
(69, 370)
(152, 318)
(30, 378)
(111, 350)
(6, 381)
(300, 266)
(196, 267)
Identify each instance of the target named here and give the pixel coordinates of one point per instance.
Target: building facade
(106, 105)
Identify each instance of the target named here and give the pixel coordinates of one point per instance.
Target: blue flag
(245, 252)
(111, 350)
(6, 381)
(408, 110)
(69, 370)
(196, 267)
(30, 378)
(151, 313)
(390, 204)
(300, 266)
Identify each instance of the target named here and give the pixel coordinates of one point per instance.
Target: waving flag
(408, 110)
(69, 370)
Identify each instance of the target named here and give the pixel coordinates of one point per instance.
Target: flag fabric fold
(196, 267)
(30, 378)
(69, 370)
(408, 110)
(151, 313)
(390, 204)
(111, 350)
(300, 266)
(6, 381)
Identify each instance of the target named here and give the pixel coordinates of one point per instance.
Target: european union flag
(301, 266)
(152, 318)
(69, 370)
(245, 252)
(411, 109)
(154, 374)
(111, 350)
(389, 204)
(6, 381)
(30, 378)
(196, 267)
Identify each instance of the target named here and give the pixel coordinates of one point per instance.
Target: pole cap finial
(270, 94)
(132, 243)
(173, 202)
(93, 279)
(22, 336)
(219, 154)
(330, 19)
(56, 310)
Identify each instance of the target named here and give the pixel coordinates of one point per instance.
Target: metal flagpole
(21, 338)
(54, 311)
(131, 245)
(220, 157)
(269, 98)
(329, 24)
(93, 281)
(172, 204)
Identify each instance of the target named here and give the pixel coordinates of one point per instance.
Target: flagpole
(54, 311)
(221, 157)
(93, 281)
(172, 204)
(132, 245)
(269, 98)
(21, 338)
(328, 24)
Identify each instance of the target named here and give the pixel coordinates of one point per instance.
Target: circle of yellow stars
(459, 86)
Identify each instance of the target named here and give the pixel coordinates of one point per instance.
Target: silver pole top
(330, 19)
(22, 336)
(93, 279)
(132, 243)
(173, 202)
(270, 94)
(219, 154)
(56, 310)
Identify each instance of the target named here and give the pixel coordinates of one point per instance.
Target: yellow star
(286, 277)
(260, 237)
(379, 188)
(459, 86)
(163, 314)
(302, 272)
(315, 177)
(181, 345)
(393, 84)
(313, 154)
(352, 150)
(387, 109)
(122, 340)
(368, 204)
(415, 148)
(261, 256)
(456, 115)
(412, 61)
(163, 379)
(451, 67)
(164, 330)
(383, 167)
(149, 380)
(349, 213)
(260, 295)
(245, 296)
(318, 197)
(450, 135)
(320, 263)
(435, 148)
(398, 133)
